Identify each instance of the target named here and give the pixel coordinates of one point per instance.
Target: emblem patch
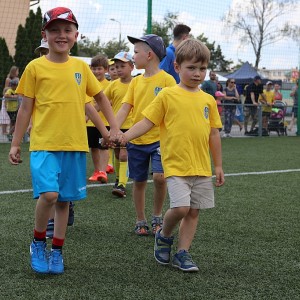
(206, 111)
(157, 90)
(78, 78)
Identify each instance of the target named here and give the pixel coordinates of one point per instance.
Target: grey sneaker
(183, 261)
(156, 224)
(162, 248)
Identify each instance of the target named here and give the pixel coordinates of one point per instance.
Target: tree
(165, 28)
(111, 48)
(258, 22)
(217, 59)
(23, 47)
(6, 62)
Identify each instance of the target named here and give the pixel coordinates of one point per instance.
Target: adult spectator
(294, 95)
(180, 32)
(254, 91)
(210, 86)
(13, 74)
(278, 95)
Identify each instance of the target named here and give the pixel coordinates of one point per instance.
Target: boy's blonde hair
(191, 49)
(99, 61)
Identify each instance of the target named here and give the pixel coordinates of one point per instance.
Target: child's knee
(159, 179)
(49, 197)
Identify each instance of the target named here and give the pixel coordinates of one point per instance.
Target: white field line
(130, 182)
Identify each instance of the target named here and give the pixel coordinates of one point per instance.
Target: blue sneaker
(162, 248)
(183, 261)
(56, 262)
(39, 257)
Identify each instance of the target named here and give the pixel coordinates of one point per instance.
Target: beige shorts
(193, 191)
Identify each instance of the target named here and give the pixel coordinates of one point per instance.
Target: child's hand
(220, 179)
(14, 155)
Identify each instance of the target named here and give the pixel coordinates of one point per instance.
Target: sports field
(248, 247)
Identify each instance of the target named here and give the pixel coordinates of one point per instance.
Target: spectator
(43, 49)
(210, 86)
(149, 51)
(253, 91)
(294, 95)
(13, 74)
(267, 101)
(219, 98)
(12, 105)
(231, 97)
(4, 117)
(180, 33)
(219, 86)
(278, 95)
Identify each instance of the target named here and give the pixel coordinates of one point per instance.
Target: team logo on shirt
(206, 112)
(157, 90)
(78, 78)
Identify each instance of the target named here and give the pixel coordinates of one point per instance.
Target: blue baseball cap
(154, 41)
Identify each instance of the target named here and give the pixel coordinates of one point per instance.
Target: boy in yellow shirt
(115, 92)
(100, 155)
(189, 123)
(54, 89)
(149, 50)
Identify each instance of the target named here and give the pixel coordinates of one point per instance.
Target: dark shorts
(94, 137)
(266, 114)
(13, 116)
(295, 111)
(139, 157)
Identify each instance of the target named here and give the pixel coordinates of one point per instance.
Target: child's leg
(187, 229)
(43, 210)
(123, 167)
(160, 191)
(138, 194)
(61, 219)
(104, 157)
(95, 152)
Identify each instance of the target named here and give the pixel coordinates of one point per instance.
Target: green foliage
(74, 50)
(23, 47)
(6, 61)
(164, 29)
(88, 48)
(217, 59)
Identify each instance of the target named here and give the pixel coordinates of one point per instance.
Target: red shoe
(102, 177)
(110, 169)
(99, 176)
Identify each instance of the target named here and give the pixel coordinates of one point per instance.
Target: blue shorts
(63, 172)
(139, 157)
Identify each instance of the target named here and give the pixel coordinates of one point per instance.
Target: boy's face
(99, 72)
(112, 71)
(123, 69)
(61, 36)
(269, 87)
(191, 74)
(140, 55)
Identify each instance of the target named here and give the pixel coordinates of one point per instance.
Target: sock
(111, 157)
(123, 173)
(57, 243)
(39, 236)
(117, 168)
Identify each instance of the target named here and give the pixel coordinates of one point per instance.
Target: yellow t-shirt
(59, 91)
(185, 121)
(12, 104)
(270, 97)
(115, 92)
(103, 85)
(141, 92)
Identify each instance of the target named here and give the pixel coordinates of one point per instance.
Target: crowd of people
(129, 125)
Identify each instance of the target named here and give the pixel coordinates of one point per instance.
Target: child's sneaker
(162, 248)
(183, 261)
(119, 191)
(56, 262)
(156, 224)
(102, 177)
(141, 228)
(110, 169)
(71, 214)
(50, 229)
(39, 257)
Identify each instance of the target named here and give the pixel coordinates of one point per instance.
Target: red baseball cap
(58, 13)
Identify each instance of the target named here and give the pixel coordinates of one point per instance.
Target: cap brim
(134, 40)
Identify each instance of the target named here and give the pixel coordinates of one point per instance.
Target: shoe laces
(56, 256)
(185, 257)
